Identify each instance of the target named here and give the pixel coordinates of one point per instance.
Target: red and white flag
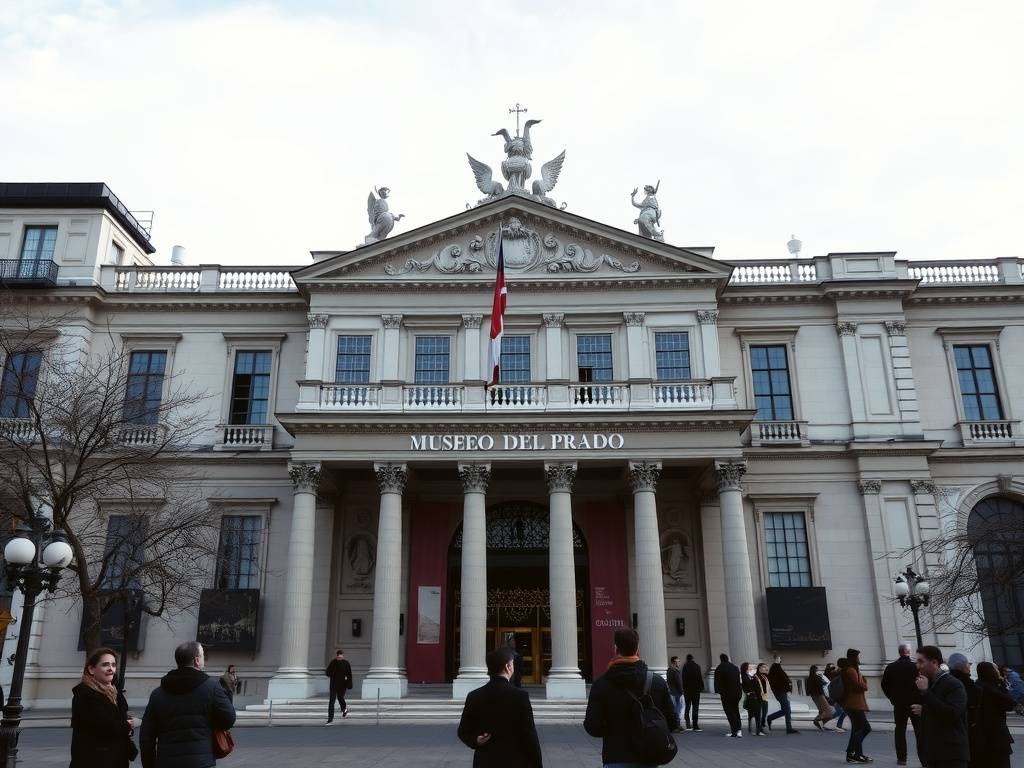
(498, 313)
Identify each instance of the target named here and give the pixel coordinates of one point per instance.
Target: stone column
(636, 346)
(739, 587)
(708, 319)
(650, 588)
(389, 349)
(553, 341)
(471, 325)
(315, 346)
(564, 679)
(292, 680)
(385, 676)
(473, 626)
(851, 366)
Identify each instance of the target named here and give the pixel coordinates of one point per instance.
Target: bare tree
(105, 451)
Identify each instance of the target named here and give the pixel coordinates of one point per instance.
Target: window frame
(121, 253)
(257, 547)
(146, 377)
(977, 336)
(530, 377)
(140, 549)
(370, 361)
(254, 507)
(452, 352)
(153, 342)
(611, 351)
(251, 342)
(688, 332)
(55, 228)
(977, 394)
(771, 336)
(771, 503)
(19, 396)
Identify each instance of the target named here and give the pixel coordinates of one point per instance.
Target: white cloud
(256, 130)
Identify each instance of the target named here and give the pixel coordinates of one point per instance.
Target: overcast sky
(256, 130)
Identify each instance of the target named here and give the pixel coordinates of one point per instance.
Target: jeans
(692, 701)
(339, 694)
(859, 729)
(901, 713)
(762, 717)
(677, 702)
(840, 714)
(784, 711)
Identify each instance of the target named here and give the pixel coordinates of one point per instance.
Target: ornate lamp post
(35, 557)
(912, 591)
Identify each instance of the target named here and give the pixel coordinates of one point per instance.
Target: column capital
(643, 475)
(317, 320)
(472, 321)
(846, 328)
(896, 327)
(475, 477)
(729, 474)
(391, 478)
(707, 316)
(923, 487)
(391, 321)
(553, 319)
(560, 476)
(305, 477)
(869, 487)
(634, 318)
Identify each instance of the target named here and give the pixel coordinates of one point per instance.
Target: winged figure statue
(548, 178)
(516, 169)
(485, 179)
(382, 221)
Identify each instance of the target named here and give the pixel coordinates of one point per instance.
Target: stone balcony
(244, 437)
(203, 278)
(1001, 432)
(395, 397)
(778, 433)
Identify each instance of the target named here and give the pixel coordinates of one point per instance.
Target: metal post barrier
(378, 706)
(270, 714)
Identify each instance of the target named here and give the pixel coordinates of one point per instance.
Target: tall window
(977, 382)
(238, 555)
(515, 359)
(18, 386)
(125, 551)
(250, 390)
(672, 354)
(789, 560)
(116, 253)
(353, 362)
(145, 387)
(770, 372)
(39, 243)
(432, 356)
(594, 357)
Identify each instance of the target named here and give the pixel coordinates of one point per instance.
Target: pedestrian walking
(497, 720)
(730, 690)
(996, 701)
(1014, 683)
(675, 688)
(855, 703)
(751, 698)
(960, 668)
(184, 713)
(815, 686)
(101, 729)
(900, 688)
(781, 687)
(339, 672)
(943, 712)
(834, 672)
(229, 681)
(517, 661)
(693, 687)
(612, 712)
(763, 687)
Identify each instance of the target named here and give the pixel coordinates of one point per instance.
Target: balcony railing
(142, 434)
(18, 430)
(778, 433)
(1000, 271)
(28, 272)
(197, 279)
(433, 397)
(988, 432)
(244, 437)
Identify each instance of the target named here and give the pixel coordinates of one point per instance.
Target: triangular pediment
(540, 243)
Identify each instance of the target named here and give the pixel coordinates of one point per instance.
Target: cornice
(518, 285)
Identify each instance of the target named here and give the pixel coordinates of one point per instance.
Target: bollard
(270, 714)
(378, 706)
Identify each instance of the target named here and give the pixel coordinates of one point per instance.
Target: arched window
(996, 527)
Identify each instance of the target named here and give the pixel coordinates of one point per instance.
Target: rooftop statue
(382, 221)
(650, 213)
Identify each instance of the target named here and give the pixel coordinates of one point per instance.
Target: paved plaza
(436, 746)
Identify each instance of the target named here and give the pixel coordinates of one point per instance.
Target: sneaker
(345, 712)
(794, 730)
(837, 729)
(730, 735)
(901, 762)
(695, 729)
(329, 722)
(760, 733)
(817, 724)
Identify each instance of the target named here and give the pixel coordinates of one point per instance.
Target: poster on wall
(428, 619)
(229, 619)
(798, 618)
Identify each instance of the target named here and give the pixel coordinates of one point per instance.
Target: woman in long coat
(996, 701)
(101, 731)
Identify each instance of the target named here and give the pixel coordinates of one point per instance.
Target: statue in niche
(361, 553)
(649, 220)
(676, 559)
(382, 221)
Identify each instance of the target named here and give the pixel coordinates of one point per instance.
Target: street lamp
(912, 590)
(35, 557)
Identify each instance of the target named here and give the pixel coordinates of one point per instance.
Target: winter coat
(100, 734)
(177, 728)
(675, 681)
(727, 680)
(340, 672)
(944, 721)
(854, 689)
(994, 749)
(612, 712)
(693, 678)
(974, 735)
(899, 682)
(504, 711)
(815, 684)
(779, 680)
(751, 694)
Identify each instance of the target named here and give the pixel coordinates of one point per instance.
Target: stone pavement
(436, 746)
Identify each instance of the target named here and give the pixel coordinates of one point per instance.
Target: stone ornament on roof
(382, 221)
(649, 220)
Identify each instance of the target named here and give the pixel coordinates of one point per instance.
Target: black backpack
(652, 739)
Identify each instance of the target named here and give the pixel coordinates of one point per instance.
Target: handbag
(223, 744)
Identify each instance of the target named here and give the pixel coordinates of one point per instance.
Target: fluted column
(385, 676)
(473, 612)
(564, 679)
(739, 587)
(650, 589)
(292, 680)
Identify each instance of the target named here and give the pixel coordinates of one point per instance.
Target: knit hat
(958, 661)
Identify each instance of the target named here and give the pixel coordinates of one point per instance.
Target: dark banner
(798, 618)
(229, 619)
(116, 622)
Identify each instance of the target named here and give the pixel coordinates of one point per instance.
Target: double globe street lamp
(35, 557)
(912, 591)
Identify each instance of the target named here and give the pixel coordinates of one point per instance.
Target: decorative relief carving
(391, 478)
(391, 321)
(305, 477)
(553, 320)
(560, 477)
(634, 318)
(475, 477)
(317, 320)
(707, 316)
(1005, 483)
(846, 328)
(896, 327)
(472, 321)
(643, 475)
(360, 561)
(677, 563)
(869, 487)
(922, 487)
(729, 476)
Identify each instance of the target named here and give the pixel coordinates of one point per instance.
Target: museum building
(728, 456)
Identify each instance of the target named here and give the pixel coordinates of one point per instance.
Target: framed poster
(428, 618)
(229, 619)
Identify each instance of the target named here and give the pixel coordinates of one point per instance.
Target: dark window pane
(432, 359)
(976, 377)
(18, 385)
(353, 362)
(788, 563)
(250, 389)
(770, 379)
(594, 352)
(672, 355)
(515, 359)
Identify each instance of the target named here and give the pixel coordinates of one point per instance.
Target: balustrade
(244, 437)
(683, 394)
(344, 396)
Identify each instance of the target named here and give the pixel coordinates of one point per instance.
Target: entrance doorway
(518, 599)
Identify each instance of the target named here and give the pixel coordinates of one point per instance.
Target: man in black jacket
(730, 691)
(675, 687)
(177, 728)
(497, 721)
(899, 687)
(612, 711)
(960, 668)
(781, 687)
(943, 712)
(693, 687)
(339, 672)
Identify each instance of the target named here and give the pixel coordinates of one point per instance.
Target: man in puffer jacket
(177, 728)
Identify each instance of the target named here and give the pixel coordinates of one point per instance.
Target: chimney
(794, 246)
(178, 256)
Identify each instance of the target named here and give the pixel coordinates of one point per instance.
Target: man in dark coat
(497, 721)
(730, 691)
(178, 726)
(960, 668)
(612, 710)
(900, 688)
(693, 687)
(943, 712)
(339, 672)
(675, 686)
(781, 687)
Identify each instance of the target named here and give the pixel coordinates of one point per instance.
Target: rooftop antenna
(794, 246)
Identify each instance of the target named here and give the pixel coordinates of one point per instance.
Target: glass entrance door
(527, 640)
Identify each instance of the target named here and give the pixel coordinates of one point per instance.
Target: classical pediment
(539, 244)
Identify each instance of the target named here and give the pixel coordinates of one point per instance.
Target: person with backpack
(630, 710)
(834, 691)
(815, 686)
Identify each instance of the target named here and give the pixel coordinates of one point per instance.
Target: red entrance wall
(430, 533)
(603, 525)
